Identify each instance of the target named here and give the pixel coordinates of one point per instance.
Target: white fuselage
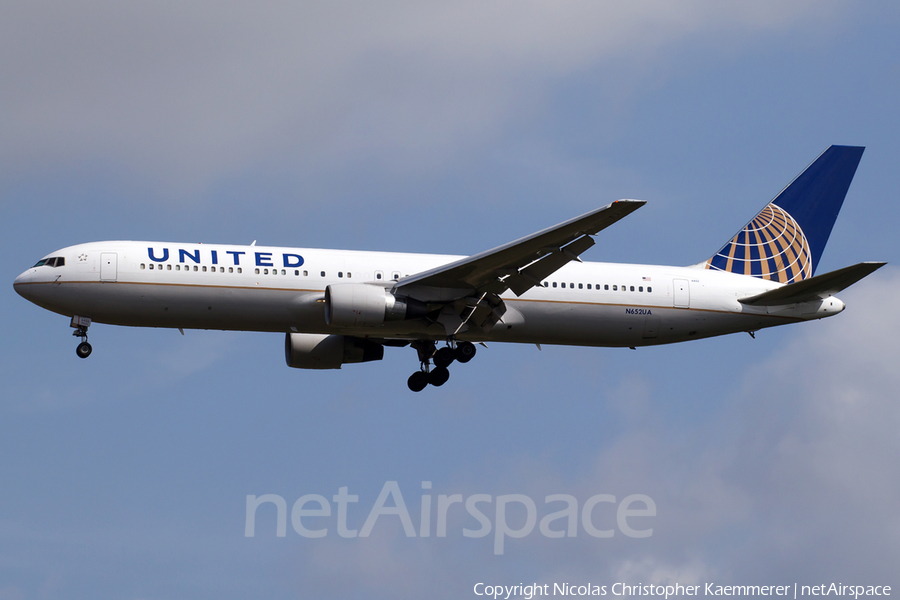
(254, 288)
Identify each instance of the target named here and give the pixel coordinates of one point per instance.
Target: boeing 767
(337, 307)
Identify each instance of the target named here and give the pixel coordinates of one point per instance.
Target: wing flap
(536, 272)
(523, 263)
(814, 288)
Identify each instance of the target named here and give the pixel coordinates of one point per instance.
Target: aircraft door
(108, 266)
(682, 295)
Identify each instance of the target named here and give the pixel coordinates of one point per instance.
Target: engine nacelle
(321, 351)
(364, 305)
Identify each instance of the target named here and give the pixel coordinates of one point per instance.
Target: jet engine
(364, 305)
(321, 351)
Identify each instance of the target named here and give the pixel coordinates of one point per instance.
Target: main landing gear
(439, 374)
(81, 324)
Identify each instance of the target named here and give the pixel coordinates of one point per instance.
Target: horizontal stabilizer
(814, 288)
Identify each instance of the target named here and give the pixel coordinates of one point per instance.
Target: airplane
(340, 307)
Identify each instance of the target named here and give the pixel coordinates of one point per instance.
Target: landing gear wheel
(443, 357)
(417, 381)
(83, 350)
(465, 351)
(438, 376)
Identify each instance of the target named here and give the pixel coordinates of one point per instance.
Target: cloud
(791, 480)
(818, 435)
(188, 94)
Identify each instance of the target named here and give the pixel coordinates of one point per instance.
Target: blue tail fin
(784, 242)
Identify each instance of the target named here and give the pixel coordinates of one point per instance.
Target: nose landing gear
(437, 376)
(81, 324)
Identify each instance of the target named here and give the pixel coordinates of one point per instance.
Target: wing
(518, 265)
(814, 288)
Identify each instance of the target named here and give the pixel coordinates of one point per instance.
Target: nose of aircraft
(21, 284)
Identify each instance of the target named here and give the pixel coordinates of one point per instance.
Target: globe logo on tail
(772, 246)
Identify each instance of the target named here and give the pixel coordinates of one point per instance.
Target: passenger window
(257, 271)
(546, 284)
(571, 286)
(231, 269)
(632, 288)
(554, 284)
(283, 272)
(168, 267)
(377, 274)
(177, 267)
(348, 275)
(340, 274)
(204, 268)
(641, 289)
(151, 266)
(615, 288)
(606, 286)
(395, 275)
(143, 266)
(580, 286)
(589, 286)
(240, 270)
(649, 289)
(195, 268)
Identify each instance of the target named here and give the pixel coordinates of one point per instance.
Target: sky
(442, 128)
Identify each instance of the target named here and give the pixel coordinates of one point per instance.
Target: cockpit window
(55, 261)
